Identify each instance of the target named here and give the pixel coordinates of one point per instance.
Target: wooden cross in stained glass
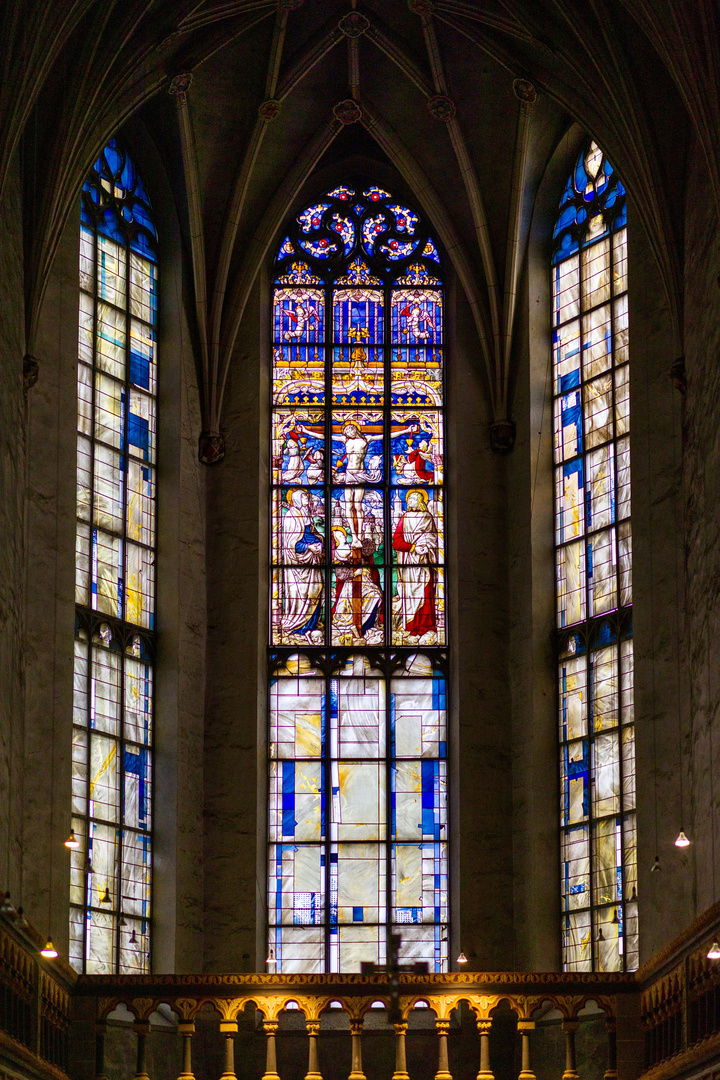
(394, 969)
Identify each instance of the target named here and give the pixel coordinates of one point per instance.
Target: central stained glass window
(357, 690)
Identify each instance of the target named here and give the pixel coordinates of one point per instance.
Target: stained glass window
(593, 571)
(358, 821)
(115, 572)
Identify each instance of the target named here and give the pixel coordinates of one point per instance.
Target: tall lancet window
(115, 572)
(357, 739)
(593, 569)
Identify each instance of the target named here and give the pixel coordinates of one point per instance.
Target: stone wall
(12, 532)
(701, 485)
(212, 572)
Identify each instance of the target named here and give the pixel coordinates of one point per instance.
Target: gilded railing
(659, 1023)
(35, 1004)
(363, 1006)
(680, 1002)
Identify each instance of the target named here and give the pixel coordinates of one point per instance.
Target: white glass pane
(111, 272)
(596, 273)
(140, 586)
(297, 708)
(358, 800)
(110, 340)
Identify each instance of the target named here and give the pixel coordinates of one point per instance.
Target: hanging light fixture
(50, 952)
(656, 865)
(615, 917)
(72, 841)
(6, 908)
(462, 959)
(714, 951)
(121, 921)
(682, 840)
(271, 958)
(105, 898)
(20, 921)
(600, 935)
(632, 898)
(133, 938)
(88, 866)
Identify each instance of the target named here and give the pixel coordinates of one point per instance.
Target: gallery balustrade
(661, 1022)
(35, 1005)
(474, 1024)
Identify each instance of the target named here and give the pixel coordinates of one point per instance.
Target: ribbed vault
(467, 101)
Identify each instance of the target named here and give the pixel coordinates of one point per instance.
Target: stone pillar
(443, 1070)
(525, 1027)
(570, 1027)
(401, 1072)
(356, 1072)
(271, 1073)
(100, 1029)
(611, 1071)
(313, 1030)
(483, 1027)
(142, 1030)
(186, 1028)
(228, 1028)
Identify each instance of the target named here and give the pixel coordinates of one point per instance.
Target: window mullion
(105, 195)
(388, 585)
(358, 581)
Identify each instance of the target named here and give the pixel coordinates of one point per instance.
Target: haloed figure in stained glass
(358, 745)
(300, 316)
(303, 546)
(416, 542)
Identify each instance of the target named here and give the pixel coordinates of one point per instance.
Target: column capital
(570, 1026)
(525, 1026)
(484, 1026)
(356, 1027)
(400, 1028)
(313, 1027)
(270, 1026)
(442, 1026)
(186, 1027)
(228, 1027)
(141, 1027)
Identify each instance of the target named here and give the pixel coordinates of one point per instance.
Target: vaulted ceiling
(466, 101)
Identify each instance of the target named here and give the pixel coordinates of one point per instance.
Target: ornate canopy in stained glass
(357, 632)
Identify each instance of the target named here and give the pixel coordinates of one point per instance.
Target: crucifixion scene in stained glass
(358, 822)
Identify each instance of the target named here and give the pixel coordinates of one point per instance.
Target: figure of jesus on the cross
(393, 969)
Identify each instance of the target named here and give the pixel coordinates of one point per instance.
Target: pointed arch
(593, 544)
(358, 844)
(267, 231)
(110, 889)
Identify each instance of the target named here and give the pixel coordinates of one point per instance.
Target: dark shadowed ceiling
(253, 104)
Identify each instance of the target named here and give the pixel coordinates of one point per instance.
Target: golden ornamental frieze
(613, 981)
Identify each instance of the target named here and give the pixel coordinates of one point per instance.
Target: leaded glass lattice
(358, 822)
(593, 571)
(110, 887)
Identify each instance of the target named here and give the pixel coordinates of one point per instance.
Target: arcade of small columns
(356, 1007)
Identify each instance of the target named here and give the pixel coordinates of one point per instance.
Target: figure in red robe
(416, 542)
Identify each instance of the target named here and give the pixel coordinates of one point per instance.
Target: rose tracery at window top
(358, 744)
